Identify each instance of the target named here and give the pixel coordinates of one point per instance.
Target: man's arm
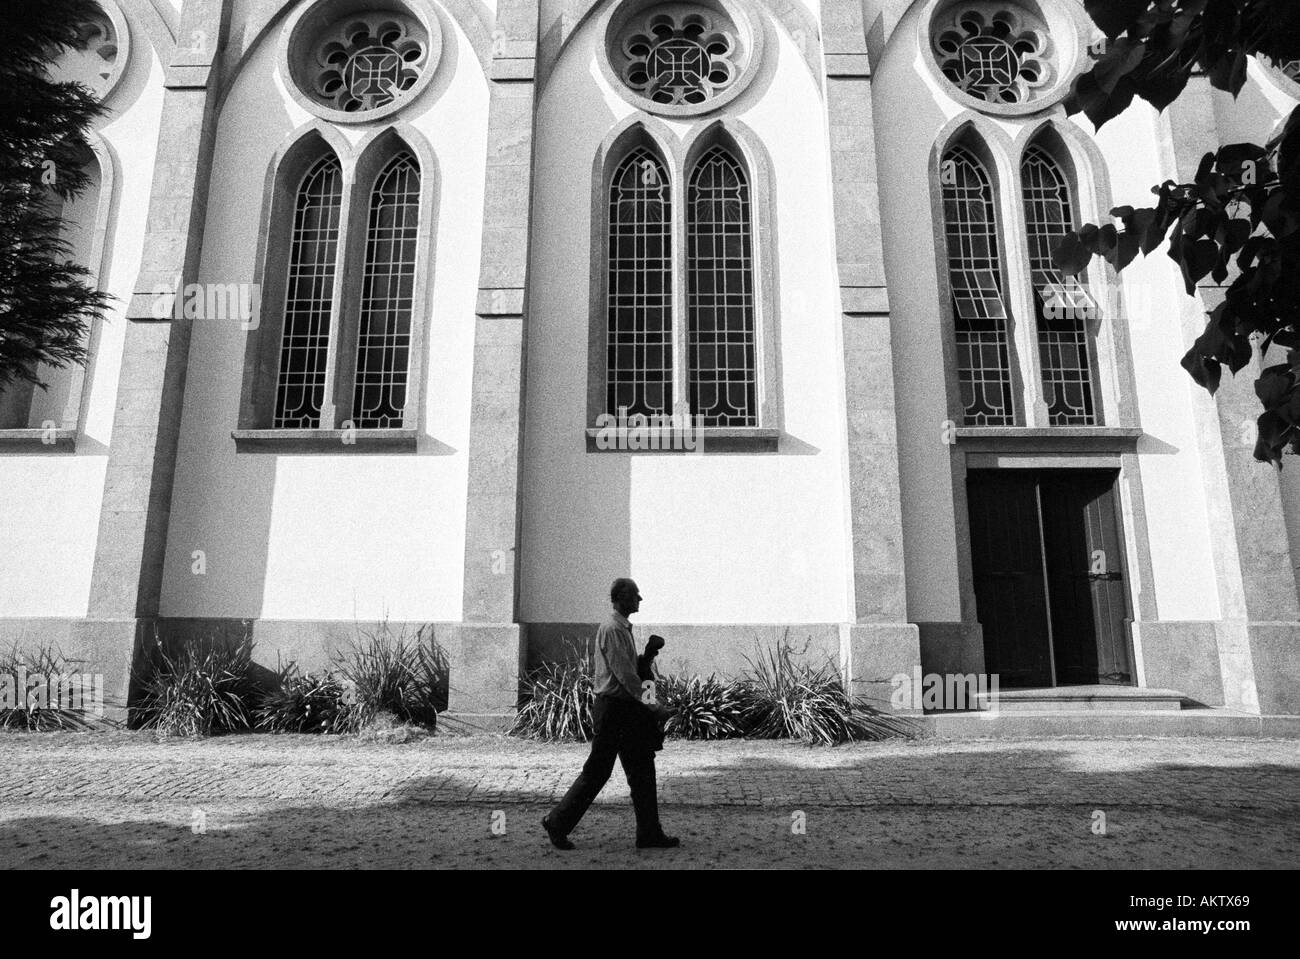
(620, 657)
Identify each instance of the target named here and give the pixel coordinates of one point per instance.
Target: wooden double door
(1050, 588)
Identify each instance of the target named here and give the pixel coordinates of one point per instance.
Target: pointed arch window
(48, 416)
(1062, 304)
(721, 366)
(309, 296)
(639, 339)
(345, 273)
(387, 296)
(685, 331)
(975, 276)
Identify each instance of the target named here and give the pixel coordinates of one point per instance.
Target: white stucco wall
(715, 537)
(1173, 482)
(50, 509)
(320, 536)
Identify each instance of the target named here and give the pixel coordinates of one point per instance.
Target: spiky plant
(793, 698)
(308, 703)
(198, 687)
(558, 701)
(706, 707)
(395, 672)
(47, 662)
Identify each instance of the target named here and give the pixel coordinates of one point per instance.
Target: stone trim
(126, 578)
(712, 439)
(332, 441)
(38, 441)
(1047, 439)
(491, 558)
(871, 418)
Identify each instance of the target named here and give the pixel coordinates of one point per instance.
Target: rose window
(1000, 58)
(679, 58)
(369, 62)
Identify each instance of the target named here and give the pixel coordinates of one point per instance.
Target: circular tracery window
(680, 58)
(99, 56)
(360, 60)
(369, 63)
(998, 55)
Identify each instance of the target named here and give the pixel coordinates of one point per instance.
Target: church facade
(445, 313)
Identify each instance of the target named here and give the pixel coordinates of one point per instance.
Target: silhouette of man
(625, 727)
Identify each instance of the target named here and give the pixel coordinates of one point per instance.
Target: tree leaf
(1071, 256)
(1113, 17)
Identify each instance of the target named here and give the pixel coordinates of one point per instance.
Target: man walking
(625, 727)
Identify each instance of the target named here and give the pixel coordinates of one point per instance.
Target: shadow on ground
(1002, 806)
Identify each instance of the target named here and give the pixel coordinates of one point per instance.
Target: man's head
(625, 596)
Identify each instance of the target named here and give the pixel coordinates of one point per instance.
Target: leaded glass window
(309, 296)
(722, 366)
(639, 345)
(1062, 303)
(387, 295)
(979, 308)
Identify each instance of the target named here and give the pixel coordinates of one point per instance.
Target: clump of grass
(395, 673)
(706, 707)
(308, 703)
(46, 661)
(200, 688)
(559, 697)
(787, 698)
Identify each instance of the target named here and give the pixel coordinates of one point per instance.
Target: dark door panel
(1049, 576)
(1009, 594)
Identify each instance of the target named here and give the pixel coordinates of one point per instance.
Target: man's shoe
(659, 842)
(558, 840)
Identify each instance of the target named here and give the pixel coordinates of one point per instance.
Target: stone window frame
(1065, 22)
(360, 164)
(1114, 391)
(679, 156)
(63, 437)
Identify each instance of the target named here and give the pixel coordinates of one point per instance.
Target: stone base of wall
(1275, 654)
(951, 648)
(875, 656)
(483, 658)
(1238, 665)
(98, 647)
(1247, 666)
(1252, 667)
(1181, 655)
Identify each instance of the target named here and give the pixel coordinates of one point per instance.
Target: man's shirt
(616, 659)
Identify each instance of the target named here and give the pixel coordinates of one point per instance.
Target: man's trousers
(623, 729)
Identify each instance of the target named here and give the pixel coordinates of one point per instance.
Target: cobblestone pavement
(122, 800)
